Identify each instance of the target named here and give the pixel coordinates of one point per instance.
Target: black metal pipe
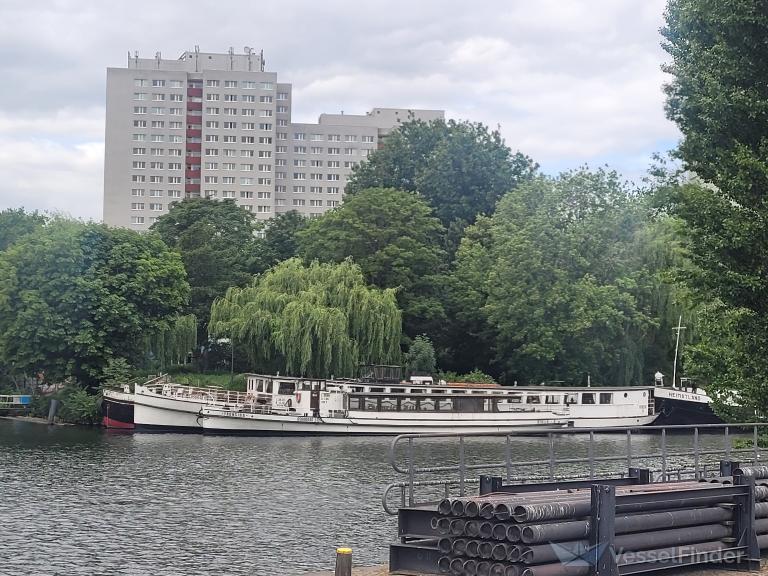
(514, 533)
(578, 529)
(456, 527)
(483, 569)
(756, 472)
(499, 532)
(559, 569)
(486, 530)
(574, 509)
(472, 528)
(512, 570)
(497, 569)
(485, 550)
(473, 549)
(472, 509)
(459, 546)
(444, 564)
(514, 553)
(457, 567)
(501, 551)
(545, 553)
(445, 545)
(487, 510)
(470, 567)
(441, 525)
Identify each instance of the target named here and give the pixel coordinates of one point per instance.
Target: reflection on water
(78, 501)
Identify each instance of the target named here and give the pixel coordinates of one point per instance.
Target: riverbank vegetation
(451, 254)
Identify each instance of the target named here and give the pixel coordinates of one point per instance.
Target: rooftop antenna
(679, 328)
(248, 51)
(157, 59)
(261, 57)
(129, 58)
(136, 58)
(231, 58)
(197, 54)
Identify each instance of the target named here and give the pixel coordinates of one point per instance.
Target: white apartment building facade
(219, 126)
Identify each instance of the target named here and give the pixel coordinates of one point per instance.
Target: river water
(78, 501)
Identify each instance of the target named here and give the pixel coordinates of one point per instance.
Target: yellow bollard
(343, 562)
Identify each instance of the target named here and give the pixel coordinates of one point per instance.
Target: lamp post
(678, 329)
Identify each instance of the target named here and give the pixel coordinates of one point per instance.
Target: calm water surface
(86, 502)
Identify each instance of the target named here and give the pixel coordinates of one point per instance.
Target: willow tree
(317, 320)
(171, 343)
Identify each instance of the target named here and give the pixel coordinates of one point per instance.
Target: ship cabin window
(408, 404)
(571, 399)
(437, 391)
(388, 404)
(355, 403)
(606, 398)
(552, 399)
(397, 390)
(587, 398)
(374, 390)
(457, 391)
(535, 399)
(514, 399)
(443, 405)
(286, 388)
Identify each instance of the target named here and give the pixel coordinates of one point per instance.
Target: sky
(567, 82)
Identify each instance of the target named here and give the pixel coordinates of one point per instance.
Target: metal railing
(668, 463)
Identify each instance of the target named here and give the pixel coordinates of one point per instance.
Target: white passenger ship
(299, 406)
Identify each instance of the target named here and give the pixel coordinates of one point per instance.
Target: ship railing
(693, 451)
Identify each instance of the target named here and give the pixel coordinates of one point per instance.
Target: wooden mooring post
(343, 562)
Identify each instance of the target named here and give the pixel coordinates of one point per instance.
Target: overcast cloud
(568, 82)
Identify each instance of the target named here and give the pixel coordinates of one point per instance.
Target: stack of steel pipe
(541, 533)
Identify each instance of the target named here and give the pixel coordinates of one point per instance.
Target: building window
(282, 109)
(299, 190)
(174, 193)
(211, 151)
(174, 179)
(246, 194)
(334, 137)
(174, 151)
(156, 165)
(316, 150)
(211, 124)
(137, 219)
(177, 84)
(139, 165)
(249, 85)
(231, 125)
(332, 203)
(157, 137)
(299, 163)
(155, 193)
(140, 123)
(228, 194)
(265, 167)
(316, 176)
(176, 98)
(265, 113)
(316, 163)
(299, 136)
(139, 151)
(175, 125)
(299, 176)
(333, 163)
(282, 96)
(332, 190)
(212, 111)
(316, 189)
(212, 83)
(156, 207)
(138, 178)
(139, 137)
(230, 97)
(137, 192)
(265, 99)
(267, 86)
(300, 149)
(137, 206)
(249, 98)
(280, 175)
(157, 151)
(228, 180)
(158, 111)
(139, 95)
(211, 165)
(368, 139)
(246, 181)
(229, 166)
(230, 83)
(264, 153)
(139, 109)
(176, 112)
(139, 82)
(349, 151)
(265, 126)
(334, 151)
(230, 111)
(246, 167)
(212, 97)
(248, 125)
(264, 209)
(158, 97)
(156, 179)
(315, 202)
(280, 189)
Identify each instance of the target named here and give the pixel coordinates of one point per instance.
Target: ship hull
(678, 412)
(117, 412)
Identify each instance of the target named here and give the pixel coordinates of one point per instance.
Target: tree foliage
(17, 223)
(73, 296)
(558, 283)
(216, 241)
(279, 241)
(317, 320)
(420, 358)
(719, 100)
(395, 239)
(460, 168)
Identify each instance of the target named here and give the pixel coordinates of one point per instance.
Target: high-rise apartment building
(219, 126)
